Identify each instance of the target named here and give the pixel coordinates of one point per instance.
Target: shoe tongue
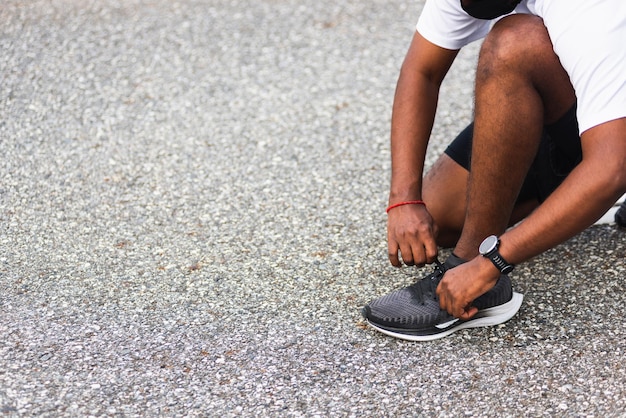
(453, 261)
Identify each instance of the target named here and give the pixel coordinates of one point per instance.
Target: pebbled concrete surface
(192, 202)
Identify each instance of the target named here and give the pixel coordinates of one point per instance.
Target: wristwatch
(489, 249)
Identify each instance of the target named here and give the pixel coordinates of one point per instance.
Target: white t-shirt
(588, 36)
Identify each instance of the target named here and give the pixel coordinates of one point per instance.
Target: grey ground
(192, 202)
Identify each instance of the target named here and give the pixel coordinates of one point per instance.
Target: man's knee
(518, 52)
(513, 42)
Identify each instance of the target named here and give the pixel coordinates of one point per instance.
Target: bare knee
(519, 48)
(512, 42)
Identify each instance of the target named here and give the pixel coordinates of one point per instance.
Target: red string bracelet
(408, 202)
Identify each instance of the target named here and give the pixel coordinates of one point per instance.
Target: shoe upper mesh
(402, 308)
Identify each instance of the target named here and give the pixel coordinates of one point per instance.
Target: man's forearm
(585, 195)
(412, 120)
(415, 102)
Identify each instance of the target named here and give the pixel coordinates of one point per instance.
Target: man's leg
(520, 86)
(445, 192)
(444, 188)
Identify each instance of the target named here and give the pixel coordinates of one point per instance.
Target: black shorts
(559, 152)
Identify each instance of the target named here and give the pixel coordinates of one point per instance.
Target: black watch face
(489, 244)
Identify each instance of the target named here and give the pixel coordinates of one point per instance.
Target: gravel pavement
(192, 201)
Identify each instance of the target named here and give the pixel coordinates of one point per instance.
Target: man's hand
(461, 285)
(411, 234)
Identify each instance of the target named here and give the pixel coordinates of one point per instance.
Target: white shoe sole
(485, 318)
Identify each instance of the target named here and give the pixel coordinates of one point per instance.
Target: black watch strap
(489, 249)
(500, 263)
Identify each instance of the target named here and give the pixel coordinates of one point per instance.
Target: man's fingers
(419, 257)
(454, 307)
(431, 251)
(392, 250)
(407, 255)
(414, 255)
(468, 313)
(410, 256)
(411, 250)
(394, 260)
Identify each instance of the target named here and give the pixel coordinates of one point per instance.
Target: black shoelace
(427, 287)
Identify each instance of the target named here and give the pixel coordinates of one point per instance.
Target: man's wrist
(488, 268)
(489, 249)
(402, 190)
(403, 197)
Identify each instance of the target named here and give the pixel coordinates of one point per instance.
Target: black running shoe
(413, 313)
(620, 215)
